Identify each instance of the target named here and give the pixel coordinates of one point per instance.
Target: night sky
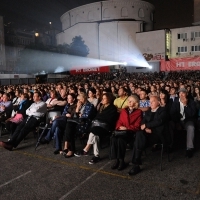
(35, 14)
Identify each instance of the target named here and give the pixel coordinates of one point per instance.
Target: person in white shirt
(34, 113)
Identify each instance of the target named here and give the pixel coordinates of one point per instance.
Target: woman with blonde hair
(128, 123)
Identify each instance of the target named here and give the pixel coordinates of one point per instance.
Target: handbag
(98, 123)
(120, 133)
(17, 118)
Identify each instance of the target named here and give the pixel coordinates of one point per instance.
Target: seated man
(184, 114)
(34, 113)
(121, 101)
(153, 127)
(144, 102)
(5, 107)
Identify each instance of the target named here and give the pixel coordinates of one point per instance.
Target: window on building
(182, 36)
(195, 48)
(141, 13)
(182, 49)
(195, 34)
(124, 12)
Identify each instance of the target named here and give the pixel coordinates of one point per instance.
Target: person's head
(154, 102)
(52, 93)
(172, 91)
(167, 88)
(196, 90)
(25, 90)
(164, 95)
(143, 94)
(153, 88)
(107, 98)
(24, 96)
(58, 87)
(188, 88)
(133, 102)
(63, 93)
(37, 96)
(82, 97)
(17, 93)
(91, 93)
(183, 93)
(5, 97)
(71, 98)
(122, 92)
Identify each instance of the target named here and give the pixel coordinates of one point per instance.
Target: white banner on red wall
(91, 70)
(177, 64)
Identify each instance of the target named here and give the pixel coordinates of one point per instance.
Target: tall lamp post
(36, 37)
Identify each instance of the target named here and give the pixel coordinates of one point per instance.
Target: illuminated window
(124, 12)
(141, 13)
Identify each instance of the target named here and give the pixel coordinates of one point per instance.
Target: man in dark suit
(184, 114)
(152, 128)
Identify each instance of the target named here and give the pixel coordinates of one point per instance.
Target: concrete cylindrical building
(108, 28)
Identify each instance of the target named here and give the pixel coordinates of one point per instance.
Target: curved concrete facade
(108, 28)
(135, 10)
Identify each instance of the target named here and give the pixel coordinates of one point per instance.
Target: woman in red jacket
(129, 122)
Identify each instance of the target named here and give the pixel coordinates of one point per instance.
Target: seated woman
(20, 113)
(129, 121)
(107, 114)
(84, 114)
(59, 124)
(91, 97)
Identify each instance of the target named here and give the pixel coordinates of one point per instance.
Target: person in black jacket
(107, 115)
(184, 114)
(153, 127)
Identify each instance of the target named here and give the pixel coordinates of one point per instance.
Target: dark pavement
(29, 174)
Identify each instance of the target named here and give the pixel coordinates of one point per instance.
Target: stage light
(150, 67)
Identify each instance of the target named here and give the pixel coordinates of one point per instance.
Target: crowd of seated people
(141, 106)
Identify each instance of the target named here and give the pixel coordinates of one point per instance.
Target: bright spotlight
(150, 67)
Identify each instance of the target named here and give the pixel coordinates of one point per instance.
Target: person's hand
(3, 107)
(147, 130)
(143, 126)
(68, 115)
(122, 128)
(78, 106)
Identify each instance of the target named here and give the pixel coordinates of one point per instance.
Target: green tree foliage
(78, 47)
